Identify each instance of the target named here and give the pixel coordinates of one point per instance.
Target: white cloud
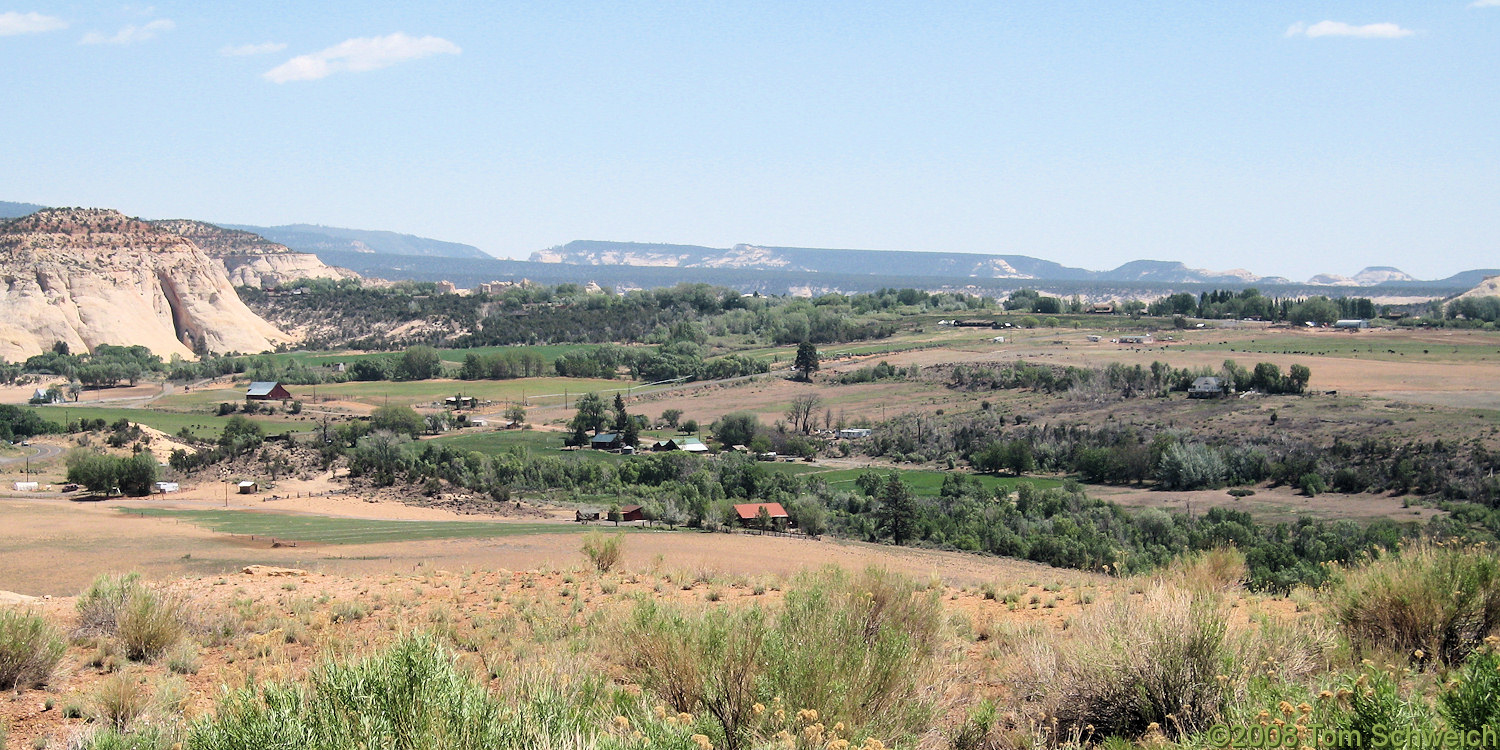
(1485, 4)
(245, 50)
(130, 34)
(13, 23)
(359, 55)
(1339, 28)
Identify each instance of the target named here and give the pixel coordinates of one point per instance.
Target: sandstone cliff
(250, 259)
(93, 276)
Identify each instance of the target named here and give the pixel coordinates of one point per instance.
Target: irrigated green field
(549, 391)
(1392, 346)
(327, 530)
(171, 422)
(923, 482)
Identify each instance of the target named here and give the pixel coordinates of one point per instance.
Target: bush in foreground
(856, 649)
(29, 649)
(604, 551)
(1440, 600)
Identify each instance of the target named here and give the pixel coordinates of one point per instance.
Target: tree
(402, 420)
(1297, 378)
(622, 417)
(98, 473)
(897, 514)
(690, 427)
(420, 363)
(670, 417)
(240, 436)
(738, 428)
(590, 414)
(807, 360)
(516, 414)
(763, 518)
(800, 413)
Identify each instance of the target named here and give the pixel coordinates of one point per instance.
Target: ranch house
(267, 391)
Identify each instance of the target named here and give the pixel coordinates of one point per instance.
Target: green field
(201, 425)
(1400, 346)
(378, 393)
(325, 530)
(923, 482)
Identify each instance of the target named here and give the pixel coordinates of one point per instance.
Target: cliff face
(93, 276)
(250, 259)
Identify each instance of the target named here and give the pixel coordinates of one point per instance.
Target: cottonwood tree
(800, 413)
(590, 415)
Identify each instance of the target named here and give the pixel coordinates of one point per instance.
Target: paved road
(43, 452)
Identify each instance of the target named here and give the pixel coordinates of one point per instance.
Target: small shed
(460, 402)
(46, 396)
(1103, 308)
(749, 513)
(249, 487)
(1144, 338)
(632, 513)
(1351, 324)
(267, 390)
(1206, 387)
(26, 486)
(607, 441)
(165, 487)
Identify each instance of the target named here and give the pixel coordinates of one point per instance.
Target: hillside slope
(94, 276)
(250, 259)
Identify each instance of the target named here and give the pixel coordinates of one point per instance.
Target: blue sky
(1289, 138)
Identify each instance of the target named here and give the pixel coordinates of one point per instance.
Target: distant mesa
(1490, 287)
(311, 238)
(1372, 276)
(250, 259)
(89, 276)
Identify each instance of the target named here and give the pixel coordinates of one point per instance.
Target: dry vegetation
(648, 655)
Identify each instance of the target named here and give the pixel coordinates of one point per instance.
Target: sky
(1288, 138)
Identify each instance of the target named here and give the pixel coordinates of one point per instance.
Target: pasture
(203, 425)
(335, 530)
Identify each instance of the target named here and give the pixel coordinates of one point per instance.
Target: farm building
(1144, 338)
(249, 487)
(165, 487)
(460, 402)
(692, 445)
(46, 396)
(854, 432)
(266, 390)
(608, 441)
(1103, 308)
(26, 486)
(1206, 387)
(1352, 324)
(632, 513)
(666, 445)
(749, 514)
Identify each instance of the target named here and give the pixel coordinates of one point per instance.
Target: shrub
(853, 647)
(1217, 570)
(409, 695)
(1471, 701)
(1136, 662)
(1441, 600)
(100, 605)
(29, 649)
(1312, 484)
(604, 551)
(119, 700)
(150, 623)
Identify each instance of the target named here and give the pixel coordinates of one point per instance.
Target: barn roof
(751, 511)
(261, 388)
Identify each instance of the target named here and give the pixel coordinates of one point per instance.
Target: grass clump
(410, 695)
(100, 605)
(1213, 571)
(604, 551)
(150, 624)
(1440, 600)
(1135, 662)
(29, 649)
(853, 648)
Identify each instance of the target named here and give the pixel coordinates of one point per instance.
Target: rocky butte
(250, 259)
(95, 276)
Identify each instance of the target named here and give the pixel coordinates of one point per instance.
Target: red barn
(749, 514)
(632, 513)
(267, 391)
